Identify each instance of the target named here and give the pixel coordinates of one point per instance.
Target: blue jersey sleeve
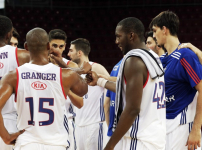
(191, 67)
(108, 93)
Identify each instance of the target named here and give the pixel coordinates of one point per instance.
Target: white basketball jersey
(150, 124)
(8, 62)
(93, 108)
(41, 105)
(66, 60)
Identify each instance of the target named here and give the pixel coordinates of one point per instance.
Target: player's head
(151, 42)
(163, 25)
(15, 38)
(79, 48)
(57, 39)
(129, 32)
(37, 41)
(6, 29)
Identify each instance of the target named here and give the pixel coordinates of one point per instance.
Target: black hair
(132, 24)
(57, 34)
(83, 45)
(16, 34)
(5, 26)
(168, 19)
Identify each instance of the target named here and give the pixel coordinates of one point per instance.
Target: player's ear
(132, 36)
(25, 46)
(48, 46)
(164, 29)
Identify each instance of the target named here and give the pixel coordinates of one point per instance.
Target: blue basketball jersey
(183, 72)
(112, 96)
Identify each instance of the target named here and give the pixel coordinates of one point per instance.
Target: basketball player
(15, 38)
(140, 99)
(10, 58)
(152, 44)
(40, 88)
(183, 74)
(57, 39)
(90, 125)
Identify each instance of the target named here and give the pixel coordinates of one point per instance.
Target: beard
(76, 60)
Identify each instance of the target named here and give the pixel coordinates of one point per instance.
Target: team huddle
(152, 100)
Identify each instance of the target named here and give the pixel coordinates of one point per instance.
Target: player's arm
(75, 99)
(197, 51)
(74, 82)
(135, 76)
(7, 87)
(23, 56)
(194, 138)
(109, 78)
(107, 109)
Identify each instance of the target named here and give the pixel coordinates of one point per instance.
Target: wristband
(101, 82)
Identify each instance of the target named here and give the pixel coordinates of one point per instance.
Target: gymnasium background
(96, 20)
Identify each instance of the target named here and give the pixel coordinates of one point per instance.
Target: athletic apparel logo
(39, 85)
(1, 65)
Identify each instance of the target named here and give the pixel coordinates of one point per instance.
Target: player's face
(73, 54)
(158, 33)
(151, 44)
(121, 40)
(14, 42)
(58, 45)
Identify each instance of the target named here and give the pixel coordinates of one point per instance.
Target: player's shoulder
(185, 52)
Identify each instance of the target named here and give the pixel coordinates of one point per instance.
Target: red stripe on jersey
(61, 83)
(196, 76)
(16, 90)
(124, 79)
(189, 71)
(68, 62)
(147, 79)
(16, 55)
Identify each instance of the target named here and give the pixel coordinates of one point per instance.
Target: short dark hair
(57, 34)
(16, 34)
(5, 26)
(132, 24)
(168, 19)
(83, 45)
(150, 34)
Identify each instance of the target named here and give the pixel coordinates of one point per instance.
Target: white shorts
(37, 146)
(91, 137)
(177, 139)
(127, 143)
(71, 131)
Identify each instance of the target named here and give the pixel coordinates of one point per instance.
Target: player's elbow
(83, 91)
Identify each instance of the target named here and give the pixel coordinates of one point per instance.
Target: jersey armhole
(16, 90)
(16, 55)
(147, 79)
(61, 83)
(68, 62)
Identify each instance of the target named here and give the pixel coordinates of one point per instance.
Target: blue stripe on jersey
(100, 137)
(133, 144)
(133, 133)
(102, 114)
(183, 119)
(74, 136)
(190, 126)
(71, 110)
(66, 124)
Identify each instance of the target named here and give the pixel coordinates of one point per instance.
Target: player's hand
(55, 57)
(85, 67)
(13, 137)
(91, 78)
(194, 139)
(193, 48)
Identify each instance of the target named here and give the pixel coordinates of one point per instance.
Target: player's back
(8, 62)
(41, 105)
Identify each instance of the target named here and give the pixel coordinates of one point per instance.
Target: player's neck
(41, 59)
(84, 58)
(171, 44)
(2, 43)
